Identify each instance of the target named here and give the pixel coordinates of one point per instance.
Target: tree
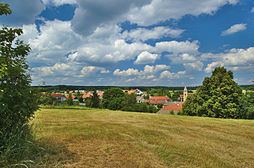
(219, 97)
(70, 100)
(95, 100)
(113, 99)
(18, 101)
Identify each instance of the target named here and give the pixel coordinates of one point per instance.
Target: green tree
(219, 97)
(95, 100)
(70, 100)
(18, 101)
(113, 99)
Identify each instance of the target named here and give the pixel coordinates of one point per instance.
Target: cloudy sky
(135, 42)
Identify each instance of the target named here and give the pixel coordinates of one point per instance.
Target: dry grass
(101, 138)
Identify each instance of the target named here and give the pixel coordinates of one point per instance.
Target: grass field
(101, 138)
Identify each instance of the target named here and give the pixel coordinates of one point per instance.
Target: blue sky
(145, 42)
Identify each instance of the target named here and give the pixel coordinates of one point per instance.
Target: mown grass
(103, 138)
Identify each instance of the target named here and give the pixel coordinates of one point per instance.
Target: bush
(142, 107)
(18, 101)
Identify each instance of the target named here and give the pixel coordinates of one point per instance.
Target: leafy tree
(47, 100)
(95, 100)
(248, 100)
(113, 99)
(129, 99)
(18, 101)
(219, 97)
(69, 100)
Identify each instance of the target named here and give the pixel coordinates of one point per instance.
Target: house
(156, 100)
(140, 99)
(100, 93)
(87, 95)
(58, 97)
(172, 107)
(74, 98)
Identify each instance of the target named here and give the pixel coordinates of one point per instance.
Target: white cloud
(149, 72)
(128, 72)
(176, 47)
(241, 57)
(91, 14)
(161, 10)
(58, 2)
(210, 67)
(170, 75)
(198, 66)
(146, 58)
(234, 29)
(89, 70)
(50, 70)
(154, 33)
(148, 69)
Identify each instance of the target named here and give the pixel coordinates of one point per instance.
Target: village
(163, 103)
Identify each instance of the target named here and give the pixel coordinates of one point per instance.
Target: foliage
(219, 97)
(140, 107)
(47, 99)
(69, 100)
(95, 100)
(18, 101)
(113, 99)
(248, 100)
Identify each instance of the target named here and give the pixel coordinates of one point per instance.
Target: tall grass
(18, 149)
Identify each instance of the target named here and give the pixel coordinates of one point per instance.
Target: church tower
(185, 94)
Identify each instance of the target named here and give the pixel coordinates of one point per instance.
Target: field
(76, 138)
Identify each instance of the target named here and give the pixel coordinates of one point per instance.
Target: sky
(135, 43)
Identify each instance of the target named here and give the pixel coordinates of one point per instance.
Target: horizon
(135, 43)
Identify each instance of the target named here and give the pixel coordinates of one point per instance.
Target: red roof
(56, 95)
(173, 107)
(158, 99)
(73, 97)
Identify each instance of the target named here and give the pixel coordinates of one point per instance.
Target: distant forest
(143, 88)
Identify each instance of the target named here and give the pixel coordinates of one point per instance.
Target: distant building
(134, 91)
(59, 97)
(173, 107)
(156, 100)
(185, 94)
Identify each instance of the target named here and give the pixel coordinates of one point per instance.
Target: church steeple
(185, 94)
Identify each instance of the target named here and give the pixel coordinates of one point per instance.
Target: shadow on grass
(52, 154)
(43, 154)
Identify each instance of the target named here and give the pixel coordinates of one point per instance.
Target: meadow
(80, 138)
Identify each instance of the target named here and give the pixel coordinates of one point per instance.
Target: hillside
(101, 138)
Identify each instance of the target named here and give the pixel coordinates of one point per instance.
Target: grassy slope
(100, 138)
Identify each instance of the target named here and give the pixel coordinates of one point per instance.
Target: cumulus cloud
(128, 72)
(89, 70)
(176, 47)
(161, 10)
(144, 34)
(149, 72)
(146, 58)
(234, 29)
(23, 12)
(58, 2)
(210, 67)
(91, 14)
